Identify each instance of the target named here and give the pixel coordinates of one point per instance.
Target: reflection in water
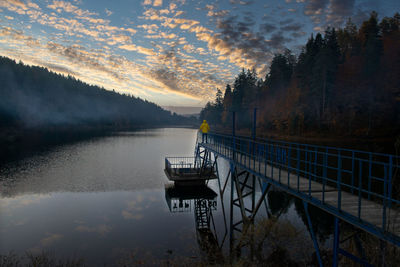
(181, 198)
(322, 222)
(202, 201)
(123, 162)
(104, 199)
(279, 202)
(100, 200)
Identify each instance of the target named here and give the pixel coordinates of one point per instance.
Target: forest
(39, 107)
(33, 97)
(344, 83)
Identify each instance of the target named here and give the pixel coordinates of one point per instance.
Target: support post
(313, 237)
(382, 248)
(231, 240)
(253, 147)
(254, 123)
(233, 135)
(253, 194)
(336, 244)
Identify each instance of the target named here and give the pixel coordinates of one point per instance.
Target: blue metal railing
(366, 175)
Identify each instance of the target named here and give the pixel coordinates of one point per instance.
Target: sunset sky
(169, 52)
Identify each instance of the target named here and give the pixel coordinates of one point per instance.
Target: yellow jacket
(204, 127)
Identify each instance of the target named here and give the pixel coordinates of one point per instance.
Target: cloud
(326, 13)
(130, 216)
(171, 64)
(241, 2)
(168, 78)
(92, 65)
(149, 28)
(16, 6)
(100, 229)
(172, 6)
(83, 24)
(139, 49)
(57, 68)
(50, 239)
(339, 11)
(267, 28)
(292, 27)
(108, 12)
(286, 21)
(70, 8)
(157, 3)
(18, 37)
(46, 242)
(80, 56)
(162, 35)
(237, 41)
(315, 7)
(277, 40)
(217, 14)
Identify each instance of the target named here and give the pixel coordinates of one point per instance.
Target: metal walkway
(354, 186)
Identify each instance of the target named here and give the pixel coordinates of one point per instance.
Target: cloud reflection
(100, 229)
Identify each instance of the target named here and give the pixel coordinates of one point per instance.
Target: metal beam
(240, 197)
(262, 198)
(313, 237)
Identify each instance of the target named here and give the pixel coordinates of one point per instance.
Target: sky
(174, 53)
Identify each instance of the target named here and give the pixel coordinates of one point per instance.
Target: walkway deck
(311, 181)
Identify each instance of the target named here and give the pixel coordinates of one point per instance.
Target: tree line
(344, 82)
(32, 97)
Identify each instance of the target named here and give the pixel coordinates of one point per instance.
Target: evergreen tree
(348, 40)
(372, 44)
(239, 86)
(280, 72)
(227, 103)
(324, 71)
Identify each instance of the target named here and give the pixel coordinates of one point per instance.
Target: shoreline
(18, 143)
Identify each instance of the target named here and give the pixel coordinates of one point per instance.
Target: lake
(104, 200)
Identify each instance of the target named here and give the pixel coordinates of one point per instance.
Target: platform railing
(179, 163)
(366, 175)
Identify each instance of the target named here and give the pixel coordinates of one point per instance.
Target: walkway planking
(370, 212)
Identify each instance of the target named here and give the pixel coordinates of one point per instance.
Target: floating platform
(185, 171)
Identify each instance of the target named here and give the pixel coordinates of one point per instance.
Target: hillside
(33, 97)
(40, 108)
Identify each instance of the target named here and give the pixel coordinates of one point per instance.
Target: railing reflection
(203, 201)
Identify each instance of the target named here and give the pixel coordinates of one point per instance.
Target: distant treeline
(33, 97)
(345, 82)
(39, 108)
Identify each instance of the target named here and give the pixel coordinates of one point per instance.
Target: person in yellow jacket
(204, 128)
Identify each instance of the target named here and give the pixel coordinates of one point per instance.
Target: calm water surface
(103, 200)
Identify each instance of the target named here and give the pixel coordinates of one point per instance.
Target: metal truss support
(313, 237)
(354, 258)
(203, 160)
(221, 194)
(337, 250)
(244, 197)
